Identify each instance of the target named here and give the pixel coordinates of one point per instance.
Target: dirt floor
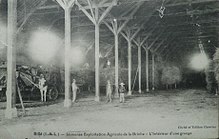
(160, 114)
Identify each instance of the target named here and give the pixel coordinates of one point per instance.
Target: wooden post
(147, 71)
(140, 43)
(153, 72)
(97, 55)
(11, 110)
(116, 30)
(67, 101)
(67, 8)
(129, 67)
(20, 98)
(129, 39)
(139, 68)
(96, 19)
(116, 62)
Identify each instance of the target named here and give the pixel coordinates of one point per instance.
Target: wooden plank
(20, 97)
(71, 3)
(150, 33)
(170, 41)
(139, 28)
(157, 47)
(27, 17)
(141, 42)
(125, 36)
(190, 2)
(149, 47)
(136, 43)
(104, 14)
(166, 38)
(109, 27)
(102, 2)
(86, 13)
(101, 5)
(91, 8)
(61, 3)
(129, 10)
(133, 12)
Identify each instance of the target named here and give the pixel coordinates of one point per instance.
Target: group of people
(122, 91)
(43, 90)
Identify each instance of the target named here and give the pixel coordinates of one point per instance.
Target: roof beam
(27, 17)
(133, 12)
(140, 42)
(170, 41)
(149, 47)
(101, 5)
(104, 14)
(85, 12)
(91, 8)
(189, 2)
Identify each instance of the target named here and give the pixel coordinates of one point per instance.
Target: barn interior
(149, 45)
(164, 51)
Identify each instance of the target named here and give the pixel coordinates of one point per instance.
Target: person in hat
(109, 91)
(122, 91)
(74, 90)
(43, 87)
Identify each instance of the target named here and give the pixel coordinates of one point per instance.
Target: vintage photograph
(109, 69)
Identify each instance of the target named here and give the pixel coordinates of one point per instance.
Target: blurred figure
(74, 90)
(122, 91)
(109, 91)
(42, 87)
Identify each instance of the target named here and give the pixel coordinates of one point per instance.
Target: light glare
(76, 56)
(43, 46)
(199, 61)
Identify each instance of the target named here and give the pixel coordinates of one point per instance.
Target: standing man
(42, 87)
(74, 90)
(109, 91)
(122, 91)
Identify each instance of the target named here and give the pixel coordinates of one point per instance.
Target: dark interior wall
(193, 79)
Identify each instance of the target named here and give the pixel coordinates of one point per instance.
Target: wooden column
(129, 39)
(67, 5)
(97, 56)
(67, 101)
(147, 70)
(153, 71)
(139, 69)
(116, 63)
(129, 67)
(11, 110)
(96, 19)
(139, 43)
(116, 30)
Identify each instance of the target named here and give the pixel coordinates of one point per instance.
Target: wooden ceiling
(178, 31)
